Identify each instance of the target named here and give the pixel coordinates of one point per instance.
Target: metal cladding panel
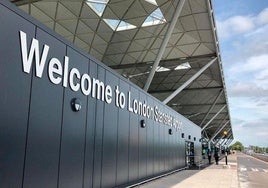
(98, 135)
(134, 140)
(142, 142)
(90, 133)
(110, 137)
(45, 143)
(150, 143)
(42, 154)
(123, 141)
(15, 89)
(73, 130)
(156, 147)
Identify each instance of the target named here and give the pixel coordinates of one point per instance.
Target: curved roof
(127, 35)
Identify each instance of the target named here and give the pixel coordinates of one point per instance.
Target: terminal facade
(45, 142)
(69, 120)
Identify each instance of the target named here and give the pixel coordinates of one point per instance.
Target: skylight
(162, 69)
(152, 2)
(119, 25)
(125, 26)
(154, 19)
(183, 66)
(97, 5)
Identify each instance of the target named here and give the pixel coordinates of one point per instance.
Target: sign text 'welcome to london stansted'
(62, 74)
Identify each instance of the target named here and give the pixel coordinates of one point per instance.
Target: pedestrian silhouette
(216, 156)
(209, 156)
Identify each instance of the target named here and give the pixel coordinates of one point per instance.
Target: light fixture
(182, 66)
(143, 125)
(76, 104)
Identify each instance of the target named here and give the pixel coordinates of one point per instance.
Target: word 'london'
(59, 74)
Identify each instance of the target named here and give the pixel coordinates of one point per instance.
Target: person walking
(216, 156)
(209, 156)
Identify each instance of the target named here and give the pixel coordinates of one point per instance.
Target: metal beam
(164, 43)
(23, 2)
(219, 130)
(164, 61)
(229, 142)
(211, 108)
(213, 117)
(186, 89)
(189, 81)
(222, 137)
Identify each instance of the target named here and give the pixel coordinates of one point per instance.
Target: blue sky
(242, 27)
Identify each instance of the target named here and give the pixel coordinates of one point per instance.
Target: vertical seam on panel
(94, 139)
(103, 112)
(85, 140)
(129, 88)
(116, 161)
(28, 120)
(62, 115)
(139, 139)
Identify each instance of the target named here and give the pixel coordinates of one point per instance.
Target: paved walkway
(213, 176)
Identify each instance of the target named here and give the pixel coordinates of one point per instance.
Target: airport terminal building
(107, 93)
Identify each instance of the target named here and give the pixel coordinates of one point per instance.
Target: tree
(237, 146)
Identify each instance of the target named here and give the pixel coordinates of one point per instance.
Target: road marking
(255, 169)
(243, 169)
(265, 170)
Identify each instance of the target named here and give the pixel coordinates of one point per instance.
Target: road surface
(252, 172)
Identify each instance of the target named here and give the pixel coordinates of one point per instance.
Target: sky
(242, 28)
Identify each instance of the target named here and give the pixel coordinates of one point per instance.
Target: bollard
(226, 161)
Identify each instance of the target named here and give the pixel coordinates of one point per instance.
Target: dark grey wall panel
(98, 136)
(90, 133)
(110, 136)
(157, 148)
(14, 98)
(102, 145)
(142, 142)
(150, 143)
(42, 154)
(73, 130)
(123, 140)
(134, 140)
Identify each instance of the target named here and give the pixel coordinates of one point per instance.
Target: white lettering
(34, 51)
(98, 87)
(108, 94)
(74, 86)
(54, 67)
(65, 73)
(85, 82)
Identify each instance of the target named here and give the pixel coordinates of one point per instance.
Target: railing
(195, 160)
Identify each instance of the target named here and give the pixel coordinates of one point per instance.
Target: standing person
(209, 156)
(216, 155)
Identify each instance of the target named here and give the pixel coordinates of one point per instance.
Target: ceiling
(127, 35)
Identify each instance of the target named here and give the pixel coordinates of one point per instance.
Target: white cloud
(238, 24)
(255, 63)
(235, 25)
(245, 42)
(262, 18)
(253, 132)
(247, 89)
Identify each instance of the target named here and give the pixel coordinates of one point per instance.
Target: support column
(209, 145)
(177, 91)
(211, 107)
(164, 44)
(219, 130)
(213, 118)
